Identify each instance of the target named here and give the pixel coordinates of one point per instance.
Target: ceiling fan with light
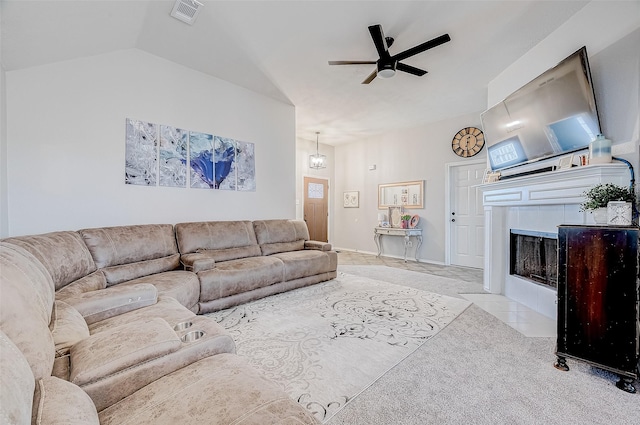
(387, 65)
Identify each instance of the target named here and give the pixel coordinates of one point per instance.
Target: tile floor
(518, 316)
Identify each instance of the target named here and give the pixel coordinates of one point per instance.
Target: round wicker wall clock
(468, 142)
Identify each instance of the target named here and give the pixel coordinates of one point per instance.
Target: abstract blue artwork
(141, 153)
(225, 168)
(160, 155)
(245, 166)
(201, 160)
(172, 167)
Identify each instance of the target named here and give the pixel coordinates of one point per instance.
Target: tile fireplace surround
(539, 203)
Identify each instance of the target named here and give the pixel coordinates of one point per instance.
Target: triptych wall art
(161, 155)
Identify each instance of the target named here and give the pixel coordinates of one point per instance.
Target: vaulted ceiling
(281, 49)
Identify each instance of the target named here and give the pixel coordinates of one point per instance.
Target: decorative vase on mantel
(600, 215)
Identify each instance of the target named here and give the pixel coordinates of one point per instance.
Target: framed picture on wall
(351, 199)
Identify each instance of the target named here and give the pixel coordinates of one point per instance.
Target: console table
(396, 231)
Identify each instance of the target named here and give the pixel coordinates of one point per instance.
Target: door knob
(453, 220)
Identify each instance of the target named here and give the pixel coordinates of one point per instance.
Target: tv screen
(552, 115)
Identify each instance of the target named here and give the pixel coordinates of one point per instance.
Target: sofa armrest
(119, 348)
(320, 246)
(197, 262)
(113, 301)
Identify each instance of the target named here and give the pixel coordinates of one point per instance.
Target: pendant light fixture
(317, 161)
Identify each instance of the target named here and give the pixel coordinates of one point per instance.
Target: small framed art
(565, 162)
(351, 199)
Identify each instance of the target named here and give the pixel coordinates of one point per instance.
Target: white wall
(404, 155)
(4, 223)
(304, 148)
(66, 143)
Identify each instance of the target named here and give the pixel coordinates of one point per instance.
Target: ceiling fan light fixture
(386, 70)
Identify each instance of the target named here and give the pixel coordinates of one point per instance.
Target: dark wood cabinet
(598, 299)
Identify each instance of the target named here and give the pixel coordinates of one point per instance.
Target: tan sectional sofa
(241, 261)
(100, 325)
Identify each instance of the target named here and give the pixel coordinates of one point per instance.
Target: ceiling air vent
(186, 10)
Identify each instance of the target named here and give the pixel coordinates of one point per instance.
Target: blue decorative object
(201, 160)
(160, 154)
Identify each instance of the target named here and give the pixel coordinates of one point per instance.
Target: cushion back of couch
(129, 252)
(26, 305)
(63, 254)
(276, 236)
(18, 385)
(221, 240)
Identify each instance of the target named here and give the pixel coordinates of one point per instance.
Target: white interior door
(466, 215)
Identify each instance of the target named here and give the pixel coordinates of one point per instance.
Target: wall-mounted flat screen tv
(552, 115)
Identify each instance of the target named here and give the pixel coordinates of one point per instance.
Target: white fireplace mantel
(538, 202)
(554, 187)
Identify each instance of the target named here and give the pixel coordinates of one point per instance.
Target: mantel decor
(610, 203)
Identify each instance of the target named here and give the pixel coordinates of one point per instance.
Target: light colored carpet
(326, 343)
(481, 371)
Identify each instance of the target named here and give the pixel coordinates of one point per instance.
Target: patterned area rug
(328, 342)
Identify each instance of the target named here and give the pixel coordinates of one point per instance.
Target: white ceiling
(281, 49)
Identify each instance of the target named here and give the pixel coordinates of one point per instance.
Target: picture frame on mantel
(351, 199)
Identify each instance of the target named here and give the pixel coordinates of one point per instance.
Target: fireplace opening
(534, 256)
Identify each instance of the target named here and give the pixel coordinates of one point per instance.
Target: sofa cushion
(125, 359)
(213, 235)
(68, 327)
(16, 391)
(92, 282)
(280, 235)
(57, 401)
(126, 272)
(119, 348)
(221, 389)
(321, 246)
(63, 254)
(197, 261)
(182, 285)
(139, 248)
(26, 306)
(235, 276)
(99, 305)
(166, 308)
(303, 263)
(202, 244)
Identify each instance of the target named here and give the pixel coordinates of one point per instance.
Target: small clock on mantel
(468, 142)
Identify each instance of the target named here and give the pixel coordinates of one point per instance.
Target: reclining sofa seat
(84, 304)
(218, 389)
(105, 317)
(146, 253)
(240, 261)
